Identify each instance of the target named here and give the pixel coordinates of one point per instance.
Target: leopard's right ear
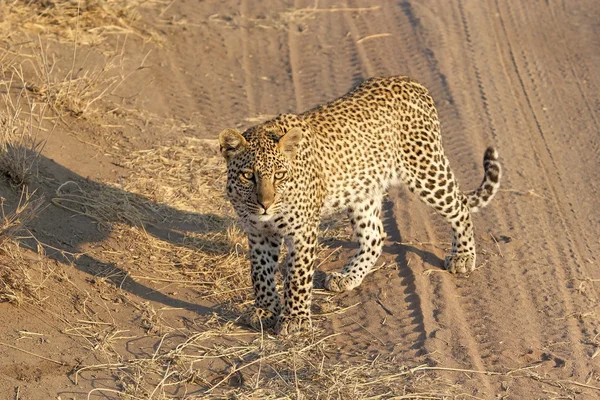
(232, 142)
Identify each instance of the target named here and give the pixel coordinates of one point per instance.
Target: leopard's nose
(265, 203)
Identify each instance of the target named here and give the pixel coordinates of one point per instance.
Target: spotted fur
(285, 174)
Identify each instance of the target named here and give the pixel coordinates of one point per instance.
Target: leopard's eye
(280, 175)
(248, 175)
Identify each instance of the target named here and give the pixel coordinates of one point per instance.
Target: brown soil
(139, 252)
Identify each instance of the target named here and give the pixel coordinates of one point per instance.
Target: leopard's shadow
(65, 232)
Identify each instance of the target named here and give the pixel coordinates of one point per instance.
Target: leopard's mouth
(272, 210)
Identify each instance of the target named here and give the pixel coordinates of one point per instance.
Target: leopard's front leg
(295, 316)
(264, 254)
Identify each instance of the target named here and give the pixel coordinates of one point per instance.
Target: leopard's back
(372, 137)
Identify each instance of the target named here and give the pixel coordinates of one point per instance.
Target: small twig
(369, 37)
(425, 367)
(162, 381)
(119, 392)
(579, 384)
(341, 310)
(32, 354)
(110, 366)
(341, 9)
(430, 271)
(468, 371)
(368, 331)
(530, 192)
(497, 245)
(387, 310)
(31, 333)
(166, 8)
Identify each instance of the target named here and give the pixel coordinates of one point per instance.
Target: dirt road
(522, 76)
(518, 75)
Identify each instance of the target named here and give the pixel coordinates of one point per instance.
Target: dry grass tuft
(21, 274)
(16, 281)
(106, 205)
(87, 22)
(19, 142)
(73, 92)
(77, 90)
(187, 175)
(212, 264)
(12, 224)
(172, 213)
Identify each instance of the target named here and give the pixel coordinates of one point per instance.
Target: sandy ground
(522, 76)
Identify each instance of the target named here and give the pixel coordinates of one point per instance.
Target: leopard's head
(259, 167)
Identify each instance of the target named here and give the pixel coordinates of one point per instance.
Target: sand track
(501, 77)
(519, 75)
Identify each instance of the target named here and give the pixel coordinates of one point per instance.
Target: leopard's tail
(481, 196)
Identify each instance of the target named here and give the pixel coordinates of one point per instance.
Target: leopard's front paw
(337, 282)
(259, 318)
(460, 263)
(288, 325)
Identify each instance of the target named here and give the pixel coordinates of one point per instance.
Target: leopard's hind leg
(435, 184)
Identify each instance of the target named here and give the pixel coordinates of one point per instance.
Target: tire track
(409, 315)
(362, 328)
(214, 80)
(406, 25)
(372, 52)
(320, 78)
(265, 56)
(519, 307)
(534, 69)
(477, 309)
(249, 79)
(320, 71)
(554, 251)
(558, 194)
(482, 92)
(495, 281)
(425, 67)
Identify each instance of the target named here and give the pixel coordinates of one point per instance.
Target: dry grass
(76, 90)
(61, 77)
(87, 22)
(220, 361)
(187, 175)
(14, 223)
(216, 360)
(72, 92)
(20, 142)
(21, 274)
(106, 205)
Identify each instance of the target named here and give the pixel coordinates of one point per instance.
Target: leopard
(286, 174)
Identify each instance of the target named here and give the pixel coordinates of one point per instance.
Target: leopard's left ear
(288, 143)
